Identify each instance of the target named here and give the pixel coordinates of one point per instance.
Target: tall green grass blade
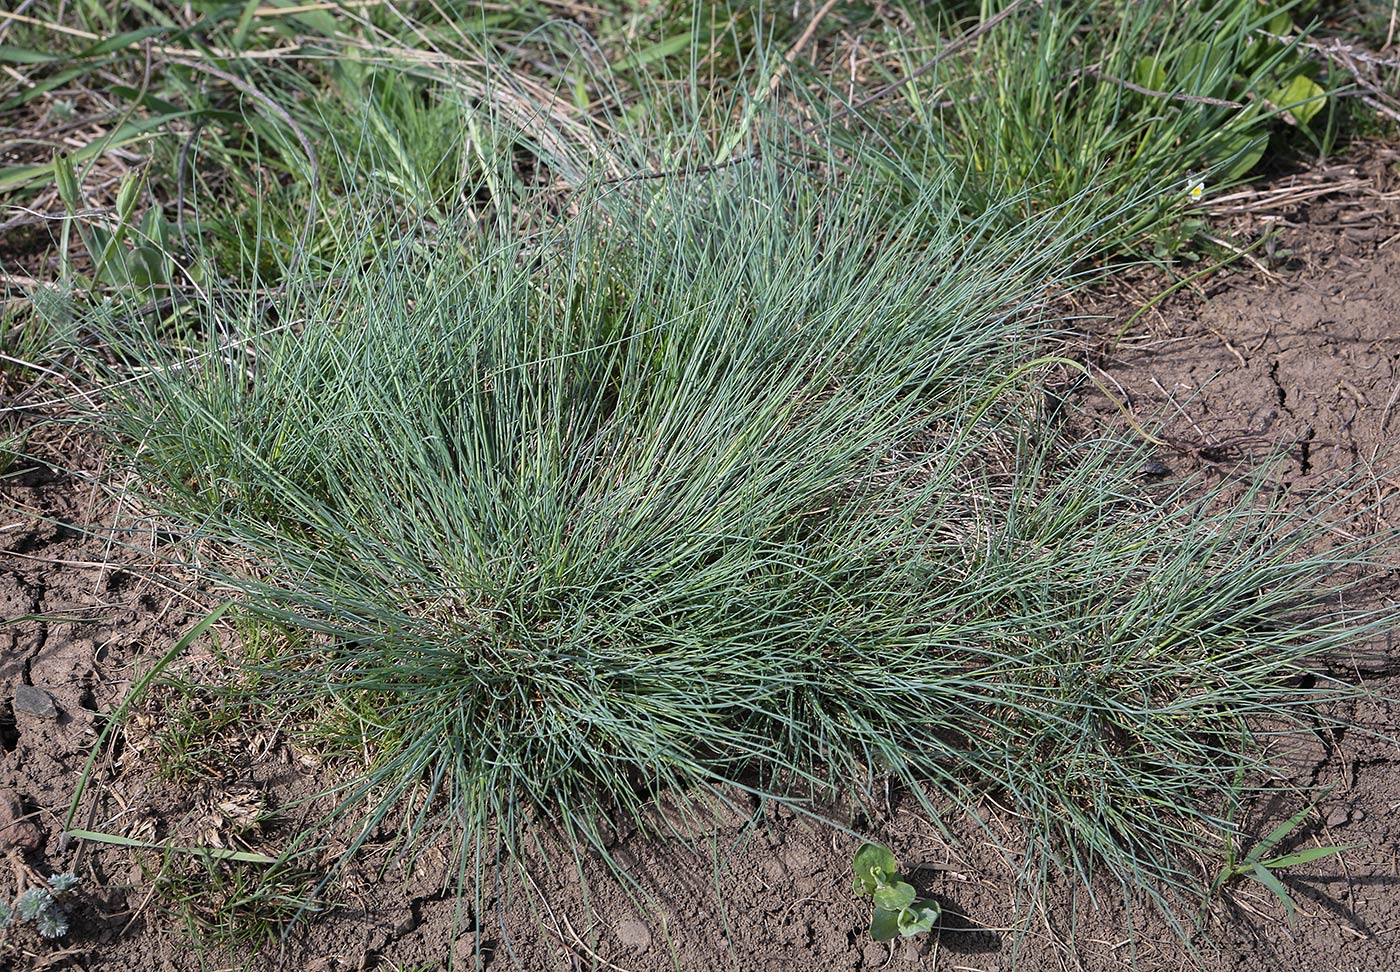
(1271, 881)
(210, 853)
(1307, 856)
(1271, 840)
(122, 41)
(19, 55)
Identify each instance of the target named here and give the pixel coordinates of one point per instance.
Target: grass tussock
(731, 484)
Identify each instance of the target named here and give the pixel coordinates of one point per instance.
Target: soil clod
(17, 830)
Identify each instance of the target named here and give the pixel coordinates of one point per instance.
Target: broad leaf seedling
(898, 909)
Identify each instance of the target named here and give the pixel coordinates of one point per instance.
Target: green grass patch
(1118, 100)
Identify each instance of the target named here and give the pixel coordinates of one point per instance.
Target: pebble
(1338, 816)
(34, 702)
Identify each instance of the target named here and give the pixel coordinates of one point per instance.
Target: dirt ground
(1299, 352)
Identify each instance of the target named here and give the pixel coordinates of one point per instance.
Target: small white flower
(1195, 188)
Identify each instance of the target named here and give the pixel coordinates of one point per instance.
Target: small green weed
(232, 903)
(126, 252)
(1258, 866)
(194, 733)
(222, 895)
(898, 908)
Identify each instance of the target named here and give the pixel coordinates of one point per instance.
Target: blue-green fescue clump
(42, 907)
(899, 911)
(729, 481)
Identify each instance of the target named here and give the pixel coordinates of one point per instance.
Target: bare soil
(1299, 355)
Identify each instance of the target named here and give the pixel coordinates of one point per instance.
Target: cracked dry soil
(1304, 359)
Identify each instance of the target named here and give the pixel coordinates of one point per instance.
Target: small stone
(34, 702)
(1154, 468)
(18, 831)
(634, 934)
(1338, 817)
